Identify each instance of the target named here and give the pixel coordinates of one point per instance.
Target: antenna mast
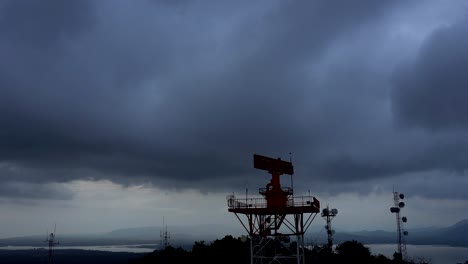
(290, 161)
(401, 233)
(165, 236)
(328, 215)
(51, 242)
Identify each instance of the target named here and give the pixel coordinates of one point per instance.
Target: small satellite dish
(401, 204)
(405, 233)
(402, 196)
(404, 219)
(395, 210)
(243, 238)
(334, 211)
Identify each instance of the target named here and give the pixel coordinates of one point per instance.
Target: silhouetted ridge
(233, 251)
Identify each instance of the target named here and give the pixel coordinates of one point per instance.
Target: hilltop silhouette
(232, 250)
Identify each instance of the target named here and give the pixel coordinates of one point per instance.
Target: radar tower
(271, 220)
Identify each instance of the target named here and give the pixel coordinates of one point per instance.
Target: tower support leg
(251, 250)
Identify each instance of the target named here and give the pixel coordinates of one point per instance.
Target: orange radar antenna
(276, 216)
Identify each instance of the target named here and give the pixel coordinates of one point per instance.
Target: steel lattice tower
(401, 232)
(51, 242)
(165, 236)
(271, 220)
(328, 215)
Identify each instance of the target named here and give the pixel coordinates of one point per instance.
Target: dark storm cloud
(22, 190)
(63, 101)
(428, 184)
(446, 152)
(157, 91)
(41, 24)
(25, 183)
(431, 92)
(429, 96)
(435, 185)
(183, 94)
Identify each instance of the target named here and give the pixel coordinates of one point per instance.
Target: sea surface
(429, 253)
(143, 248)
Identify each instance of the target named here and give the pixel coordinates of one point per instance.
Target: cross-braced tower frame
(328, 215)
(401, 233)
(51, 242)
(165, 236)
(271, 220)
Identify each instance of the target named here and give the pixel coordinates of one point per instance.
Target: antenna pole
(292, 183)
(246, 194)
(164, 235)
(51, 242)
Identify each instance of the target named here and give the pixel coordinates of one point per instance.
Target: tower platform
(294, 205)
(276, 217)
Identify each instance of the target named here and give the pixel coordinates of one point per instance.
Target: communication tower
(165, 236)
(401, 232)
(51, 242)
(271, 220)
(328, 215)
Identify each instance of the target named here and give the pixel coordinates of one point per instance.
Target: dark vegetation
(231, 250)
(227, 250)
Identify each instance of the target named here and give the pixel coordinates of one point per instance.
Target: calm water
(112, 248)
(432, 254)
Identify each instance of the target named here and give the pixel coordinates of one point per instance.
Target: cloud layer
(181, 94)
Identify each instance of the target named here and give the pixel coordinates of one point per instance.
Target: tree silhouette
(353, 252)
(230, 250)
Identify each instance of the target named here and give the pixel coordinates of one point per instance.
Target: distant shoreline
(137, 248)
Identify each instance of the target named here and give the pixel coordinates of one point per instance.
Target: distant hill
(184, 236)
(455, 235)
(191, 232)
(73, 240)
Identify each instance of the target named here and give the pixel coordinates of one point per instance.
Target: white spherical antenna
(243, 238)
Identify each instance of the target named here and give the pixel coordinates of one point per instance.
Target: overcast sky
(116, 113)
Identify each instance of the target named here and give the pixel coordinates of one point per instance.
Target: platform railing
(241, 203)
(286, 190)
